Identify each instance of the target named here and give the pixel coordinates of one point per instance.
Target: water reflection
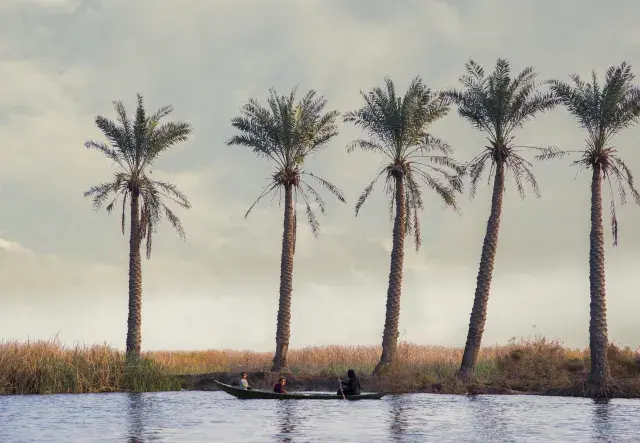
(601, 415)
(135, 417)
(286, 412)
(399, 422)
(196, 417)
(489, 419)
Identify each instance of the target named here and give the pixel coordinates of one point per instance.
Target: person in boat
(279, 387)
(243, 383)
(350, 387)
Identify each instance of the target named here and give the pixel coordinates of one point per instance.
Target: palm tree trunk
(483, 281)
(134, 322)
(283, 330)
(390, 334)
(599, 376)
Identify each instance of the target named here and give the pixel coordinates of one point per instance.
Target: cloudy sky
(63, 267)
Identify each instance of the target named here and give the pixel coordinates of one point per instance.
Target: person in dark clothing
(352, 386)
(279, 387)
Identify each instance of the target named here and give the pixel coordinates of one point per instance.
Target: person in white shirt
(244, 384)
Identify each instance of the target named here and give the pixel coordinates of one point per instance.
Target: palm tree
(496, 104)
(397, 129)
(603, 111)
(287, 133)
(134, 146)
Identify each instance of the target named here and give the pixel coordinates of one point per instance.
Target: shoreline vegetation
(534, 366)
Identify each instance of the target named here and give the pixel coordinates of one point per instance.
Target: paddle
(341, 391)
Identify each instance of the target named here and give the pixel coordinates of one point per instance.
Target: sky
(63, 266)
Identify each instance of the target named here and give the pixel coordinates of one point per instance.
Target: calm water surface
(218, 417)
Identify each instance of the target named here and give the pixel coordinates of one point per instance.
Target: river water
(193, 416)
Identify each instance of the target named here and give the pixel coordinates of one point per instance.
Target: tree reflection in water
(489, 418)
(399, 422)
(285, 410)
(601, 412)
(135, 417)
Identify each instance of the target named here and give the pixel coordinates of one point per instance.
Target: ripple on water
(214, 416)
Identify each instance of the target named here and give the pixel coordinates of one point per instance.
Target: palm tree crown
(397, 128)
(286, 133)
(498, 104)
(135, 146)
(603, 112)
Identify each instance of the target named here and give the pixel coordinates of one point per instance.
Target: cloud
(30, 276)
(64, 266)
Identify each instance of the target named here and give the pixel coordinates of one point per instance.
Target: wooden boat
(266, 395)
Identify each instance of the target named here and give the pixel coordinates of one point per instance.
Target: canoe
(266, 395)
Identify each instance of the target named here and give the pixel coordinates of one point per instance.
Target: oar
(341, 391)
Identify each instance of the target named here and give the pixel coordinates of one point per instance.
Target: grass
(46, 367)
(536, 365)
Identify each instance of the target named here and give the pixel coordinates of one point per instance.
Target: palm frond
(101, 193)
(126, 129)
(329, 186)
(174, 221)
(316, 197)
(369, 145)
(550, 153)
(171, 191)
(124, 210)
(474, 169)
(313, 222)
(265, 191)
(367, 191)
(108, 152)
(166, 136)
(444, 192)
(414, 203)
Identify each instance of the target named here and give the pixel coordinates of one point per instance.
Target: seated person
(351, 387)
(243, 383)
(279, 387)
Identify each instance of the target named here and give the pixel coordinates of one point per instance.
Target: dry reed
(46, 367)
(528, 365)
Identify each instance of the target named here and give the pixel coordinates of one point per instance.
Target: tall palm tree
(397, 129)
(496, 104)
(287, 133)
(134, 146)
(604, 111)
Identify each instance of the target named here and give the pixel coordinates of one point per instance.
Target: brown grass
(46, 367)
(536, 365)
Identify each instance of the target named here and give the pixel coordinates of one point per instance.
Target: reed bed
(329, 360)
(47, 367)
(526, 365)
(317, 360)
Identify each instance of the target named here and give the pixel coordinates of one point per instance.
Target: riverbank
(621, 388)
(535, 366)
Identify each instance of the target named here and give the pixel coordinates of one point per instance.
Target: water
(217, 417)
